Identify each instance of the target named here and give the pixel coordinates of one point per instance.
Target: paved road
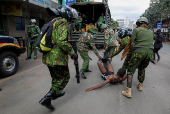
(22, 91)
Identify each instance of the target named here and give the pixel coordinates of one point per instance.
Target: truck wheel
(8, 63)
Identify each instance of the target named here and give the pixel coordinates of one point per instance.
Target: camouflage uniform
(109, 42)
(142, 51)
(86, 40)
(100, 21)
(35, 30)
(57, 58)
(78, 22)
(123, 44)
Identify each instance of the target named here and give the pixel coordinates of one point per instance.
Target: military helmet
(93, 30)
(122, 33)
(33, 21)
(63, 11)
(142, 20)
(103, 26)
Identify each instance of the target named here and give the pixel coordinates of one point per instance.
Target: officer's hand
(103, 51)
(74, 56)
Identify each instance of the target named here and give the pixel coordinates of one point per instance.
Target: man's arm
(62, 41)
(121, 47)
(92, 44)
(100, 85)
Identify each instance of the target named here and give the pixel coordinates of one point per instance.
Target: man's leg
(34, 48)
(134, 63)
(29, 50)
(141, 70)
(126, 62)
(102, 69)
(79, 24)
(60, 77)
(85, 57)
(156, 51)
(109, 66)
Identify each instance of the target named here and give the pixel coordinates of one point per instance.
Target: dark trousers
(156, 51)
(60, 77)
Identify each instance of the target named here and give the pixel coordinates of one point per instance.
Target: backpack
(44, 42)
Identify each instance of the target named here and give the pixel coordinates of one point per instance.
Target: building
(125, 23)
(16, 14)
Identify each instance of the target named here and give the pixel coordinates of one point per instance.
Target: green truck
(90, 13)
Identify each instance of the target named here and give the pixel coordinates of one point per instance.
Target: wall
(12, 27)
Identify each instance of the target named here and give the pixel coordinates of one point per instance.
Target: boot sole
(46, 106)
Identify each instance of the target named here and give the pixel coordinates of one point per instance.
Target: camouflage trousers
(60, 77)
(126, 62)
(32, 47)
(84, 55)
(140, 61)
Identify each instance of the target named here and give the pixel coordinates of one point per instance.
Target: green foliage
(157, 12)
(114, 24)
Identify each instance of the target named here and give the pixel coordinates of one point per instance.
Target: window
(20, 23)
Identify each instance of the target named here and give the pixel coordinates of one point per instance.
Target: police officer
(100, 21)
(109, 40)
(57, 59)
(32, 33)
(79, 23)
(142, 53)
(86, 40)
(124, 40)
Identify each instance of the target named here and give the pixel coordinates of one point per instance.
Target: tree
(114, 24)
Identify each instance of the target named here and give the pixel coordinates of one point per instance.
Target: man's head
(122, 33)
(103, 27)
(63, 11)
(102, 14)
(121, 72)
(33, 22)
(158, 31)
(141, 21)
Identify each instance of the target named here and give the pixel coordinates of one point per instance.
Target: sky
(132, 9)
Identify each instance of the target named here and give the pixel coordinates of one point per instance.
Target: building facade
(125, 23)
(15, 15)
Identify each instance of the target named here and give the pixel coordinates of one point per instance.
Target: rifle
(73, 44)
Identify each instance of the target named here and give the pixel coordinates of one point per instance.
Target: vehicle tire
(8, 63)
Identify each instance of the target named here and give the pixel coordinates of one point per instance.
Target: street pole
(26, 21)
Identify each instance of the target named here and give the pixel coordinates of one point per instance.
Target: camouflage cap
(93, 30)
(103, 26)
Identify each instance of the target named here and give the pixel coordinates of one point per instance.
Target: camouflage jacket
(86, 40)
(59, 54)
(101, 19)
(123, 44)
(109, 39)
(35, 30)
(79, 20)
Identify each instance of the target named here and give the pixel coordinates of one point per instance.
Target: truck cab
(10, 49)
(90, 13)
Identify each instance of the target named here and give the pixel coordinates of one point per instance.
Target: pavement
(22, 92)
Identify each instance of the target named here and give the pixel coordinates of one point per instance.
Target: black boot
(158, 58)
(88, 71)
(0, 89)
(28, 58)
(83, 75)
(46, 100)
